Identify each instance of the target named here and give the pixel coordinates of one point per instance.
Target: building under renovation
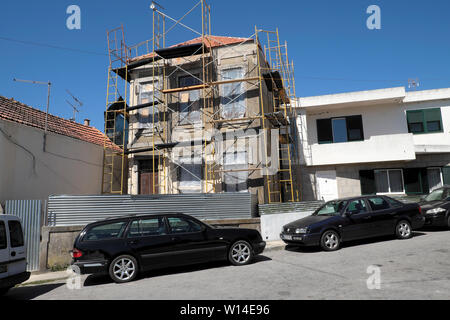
(212, 114)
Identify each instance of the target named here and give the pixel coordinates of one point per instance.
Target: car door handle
(133, 242)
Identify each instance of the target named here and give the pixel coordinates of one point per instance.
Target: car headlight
(436, 210)
(301, 230)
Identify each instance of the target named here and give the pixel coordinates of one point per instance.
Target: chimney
(87, 122)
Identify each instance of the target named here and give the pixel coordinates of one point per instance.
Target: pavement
(382, 268)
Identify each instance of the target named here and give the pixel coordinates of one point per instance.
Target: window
(331, 208)
(341, 129)
(147, 92)
(182, 225)
(389, 181)
(3, 241)
(378, 203)
(189, 100)
(190, 175)
(424, 121)
(105, 231)
(434, 178)
(15, 234)
(357, 206)
(232, 94)
(147, 227)
(235, 181)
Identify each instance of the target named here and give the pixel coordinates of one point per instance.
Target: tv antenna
(413, 83)
(75, 108)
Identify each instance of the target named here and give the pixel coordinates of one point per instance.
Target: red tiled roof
(16, 111)
(209, 41)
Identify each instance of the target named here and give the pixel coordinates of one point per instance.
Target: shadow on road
(349, 244)
(99, 279)
(30, 292)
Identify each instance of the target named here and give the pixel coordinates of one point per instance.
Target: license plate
(286, 237)
(3, 268)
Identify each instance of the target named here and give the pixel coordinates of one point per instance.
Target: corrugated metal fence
(70, 210)
(29, 211)
(288, 207)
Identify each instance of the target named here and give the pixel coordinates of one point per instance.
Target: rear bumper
(259, 247)
(418, 222)
(11, 281)
(305, 239)
(90, 267)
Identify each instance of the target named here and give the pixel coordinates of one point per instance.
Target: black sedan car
(354, 218)
(436, 207)
(125, 246)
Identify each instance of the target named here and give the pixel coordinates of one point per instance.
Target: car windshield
(437, 194)
(331, 208)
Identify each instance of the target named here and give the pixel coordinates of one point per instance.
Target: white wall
(69, 166)
(386, 136)
(272, 224)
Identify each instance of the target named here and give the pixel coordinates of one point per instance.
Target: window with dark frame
(424, 121)
(3, 241)
(15, 234)
(341, 129)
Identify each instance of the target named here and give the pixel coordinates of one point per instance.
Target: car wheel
(123, 269)
(330, 240)
(240, 253)
(448, 221)
(403, 230)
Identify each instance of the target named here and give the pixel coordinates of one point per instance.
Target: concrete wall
(67, 166)
(272, 224)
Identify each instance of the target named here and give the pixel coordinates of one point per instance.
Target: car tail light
(76, 253)
(420, 210)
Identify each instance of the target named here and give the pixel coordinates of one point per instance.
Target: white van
(13, 262)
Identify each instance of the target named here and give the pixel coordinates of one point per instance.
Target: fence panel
(29, 211)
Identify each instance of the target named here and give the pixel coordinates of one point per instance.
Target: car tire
(403, 230)
(123, 269)
(330, 241)
(240, 253)
(448, 221)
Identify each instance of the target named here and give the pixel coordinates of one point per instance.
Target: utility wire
(51, 46)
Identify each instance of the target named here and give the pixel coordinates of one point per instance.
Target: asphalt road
(417, 268)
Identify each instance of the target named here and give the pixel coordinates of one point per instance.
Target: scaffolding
(272, 77)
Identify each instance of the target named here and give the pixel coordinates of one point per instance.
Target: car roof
(359, 197)
(134, 216)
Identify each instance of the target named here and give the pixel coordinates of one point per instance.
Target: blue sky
(328, 40)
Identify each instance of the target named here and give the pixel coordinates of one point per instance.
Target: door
(359, 221)
(148, 183)
(149, 240)
(4, 250)
(383, 215)
(17, 252)
(326, 185)
(189, 241)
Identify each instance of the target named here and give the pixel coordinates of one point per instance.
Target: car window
(436, 195)
(378, 203)
(15, 233)
(330, 208)
(2, 235)
(357, 206)
(182, 225)
(105, 231)
(147, 227)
